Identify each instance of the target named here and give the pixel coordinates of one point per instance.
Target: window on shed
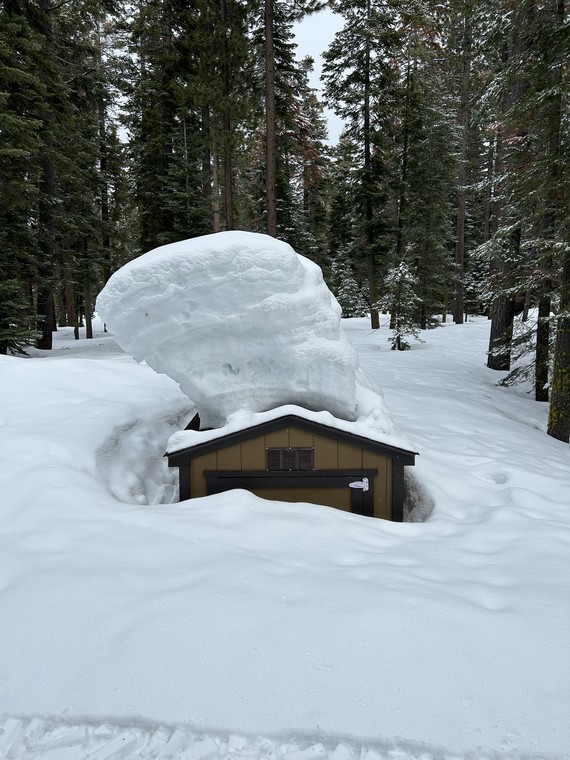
(290, 459)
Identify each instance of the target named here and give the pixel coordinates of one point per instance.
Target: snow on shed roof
(367, 426)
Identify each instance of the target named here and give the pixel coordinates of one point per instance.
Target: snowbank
(48, 739)
(374, 423)
(235, 627)
(239, 320)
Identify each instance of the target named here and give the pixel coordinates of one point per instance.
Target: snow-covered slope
(234, 627)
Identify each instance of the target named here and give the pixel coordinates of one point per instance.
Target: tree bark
(216, 211)
(489, 194)
(559, 413)
(399, 255)
(107, 267)
(227, 125)
(542, 348)
(502, 317)
(372, 288)
(167, 110)
(45, 302)
(271, 123)
(503, 309)
(70, 301)
(88, 308)
(403, 170)
(207, 168)
(459, 275)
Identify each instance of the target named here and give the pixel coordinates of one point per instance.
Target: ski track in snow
(47, 739)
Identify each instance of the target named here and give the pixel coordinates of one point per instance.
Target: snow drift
(240, 321)
(235, 628)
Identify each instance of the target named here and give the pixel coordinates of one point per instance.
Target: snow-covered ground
(232, 627)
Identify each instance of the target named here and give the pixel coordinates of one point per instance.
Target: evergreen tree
(509, 36)
(401, 301)
(427, 137)
(343, 218)
(530, 236)
(292, 205)
(348, 292)
(359, 79)
(465, 19)
(281, 74)
(20, 91)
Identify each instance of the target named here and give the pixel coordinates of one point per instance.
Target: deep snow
(240, 320)
(246, 628)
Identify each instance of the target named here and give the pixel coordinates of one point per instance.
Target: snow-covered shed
(291, 454)
(252, 334)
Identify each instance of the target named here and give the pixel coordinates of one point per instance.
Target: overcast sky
(313, 35)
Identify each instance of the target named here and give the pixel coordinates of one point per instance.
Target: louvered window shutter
(274, 459)
(288, 459)
(306, 459)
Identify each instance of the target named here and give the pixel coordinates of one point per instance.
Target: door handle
(363, 484)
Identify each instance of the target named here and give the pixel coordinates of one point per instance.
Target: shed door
(328, 487)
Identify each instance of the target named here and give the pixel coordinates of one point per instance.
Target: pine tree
(529, 237)
(20, 90)
(401, 300)
(303, 187)
(466, 53)
(428, 142)
(281, 74)
(359, 83)
(292, 204)
(348, 292)
(224, 82)
(555, 194)
(510, 36)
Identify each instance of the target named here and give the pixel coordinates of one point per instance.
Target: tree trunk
(559, 414)
(489, 194)
(459, 275)
(542, 347)
(502, 317)
(88, 308)
(45, 297)
(399, 254)
(271, 123)
(503, 308)
(207, 181)
(403, 169)
(227, 126)
(45, 303)
(216, 193)
(526, 306)
(70, 301)
(107, 264)
(372, 288)
(107, 267)
(167, 111)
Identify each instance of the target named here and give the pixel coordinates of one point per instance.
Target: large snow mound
(239, 320)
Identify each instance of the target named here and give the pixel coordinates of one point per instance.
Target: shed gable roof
(182, 457)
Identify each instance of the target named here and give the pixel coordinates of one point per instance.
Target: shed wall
(329, 455)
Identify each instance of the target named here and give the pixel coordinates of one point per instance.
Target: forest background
(128, 125)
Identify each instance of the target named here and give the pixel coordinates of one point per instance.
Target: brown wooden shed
(293, 459)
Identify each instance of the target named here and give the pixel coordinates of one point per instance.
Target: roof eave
(182, 457)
